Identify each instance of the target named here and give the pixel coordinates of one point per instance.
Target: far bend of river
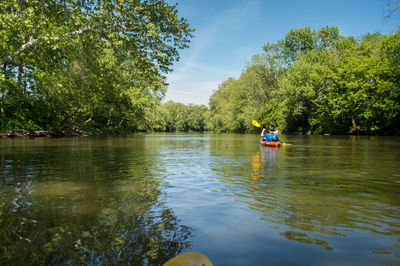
(145, 198)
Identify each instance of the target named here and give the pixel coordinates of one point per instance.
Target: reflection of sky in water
(318, 201)
(310, 195)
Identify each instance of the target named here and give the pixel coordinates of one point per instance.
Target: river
(144, 198)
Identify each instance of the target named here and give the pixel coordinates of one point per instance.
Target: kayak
(189, 259)
(271, 143)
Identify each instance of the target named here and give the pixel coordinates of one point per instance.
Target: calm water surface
(144, 198)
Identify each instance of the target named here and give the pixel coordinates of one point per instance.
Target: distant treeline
(172, 117)
(99, 67)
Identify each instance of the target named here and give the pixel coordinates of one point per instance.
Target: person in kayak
(271, 136)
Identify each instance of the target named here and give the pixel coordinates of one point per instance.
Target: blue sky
(229, 32)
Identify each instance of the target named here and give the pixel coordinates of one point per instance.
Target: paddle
(256, 124)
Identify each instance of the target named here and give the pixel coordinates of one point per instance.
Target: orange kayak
(271, 144)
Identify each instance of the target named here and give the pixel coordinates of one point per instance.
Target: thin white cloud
(194, 81)
(234, 17)
(195, 92)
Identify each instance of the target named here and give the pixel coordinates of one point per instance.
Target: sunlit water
(144, 198)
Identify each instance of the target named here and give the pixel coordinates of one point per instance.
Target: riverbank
(22, 133)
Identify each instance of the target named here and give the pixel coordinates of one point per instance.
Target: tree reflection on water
(50, 230)
(309, 196)
(84, 218)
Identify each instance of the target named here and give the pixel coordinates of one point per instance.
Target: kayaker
(271, 136)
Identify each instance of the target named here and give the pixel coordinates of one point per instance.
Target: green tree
(343, 89)
(253, 96)
(315, 81)
(86, 62)
(298, 41)
(261, 80)
(222, 114)
(181, 117)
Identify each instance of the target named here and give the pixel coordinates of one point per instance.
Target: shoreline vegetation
(318, 82)
(105, 74)
(21, 133)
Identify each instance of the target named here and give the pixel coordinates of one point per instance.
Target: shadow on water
(84, 201)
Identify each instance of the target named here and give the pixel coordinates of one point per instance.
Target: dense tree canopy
(72, 65)
(318, 82)
(99, 66)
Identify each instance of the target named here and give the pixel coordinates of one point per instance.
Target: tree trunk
(20, 69)
(89, 119)
(3, 93)
(109, 122)
(2, 103)
(354, 126)
(120, 123)
(32, 42)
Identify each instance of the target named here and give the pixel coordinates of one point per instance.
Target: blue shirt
(271, 137)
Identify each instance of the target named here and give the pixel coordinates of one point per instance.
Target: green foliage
(318, 82)
(98, 66)
(180, 117)
(86, 65)
(253, 96)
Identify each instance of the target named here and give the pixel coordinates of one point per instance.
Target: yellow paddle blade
(255, 123)
(286, 144)
(189, 259)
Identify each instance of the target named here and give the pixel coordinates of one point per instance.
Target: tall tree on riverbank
(254, 95)
(349, 88)
(316, 81)
(73, 64)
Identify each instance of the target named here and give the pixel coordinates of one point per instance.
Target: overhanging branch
(33, 42)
